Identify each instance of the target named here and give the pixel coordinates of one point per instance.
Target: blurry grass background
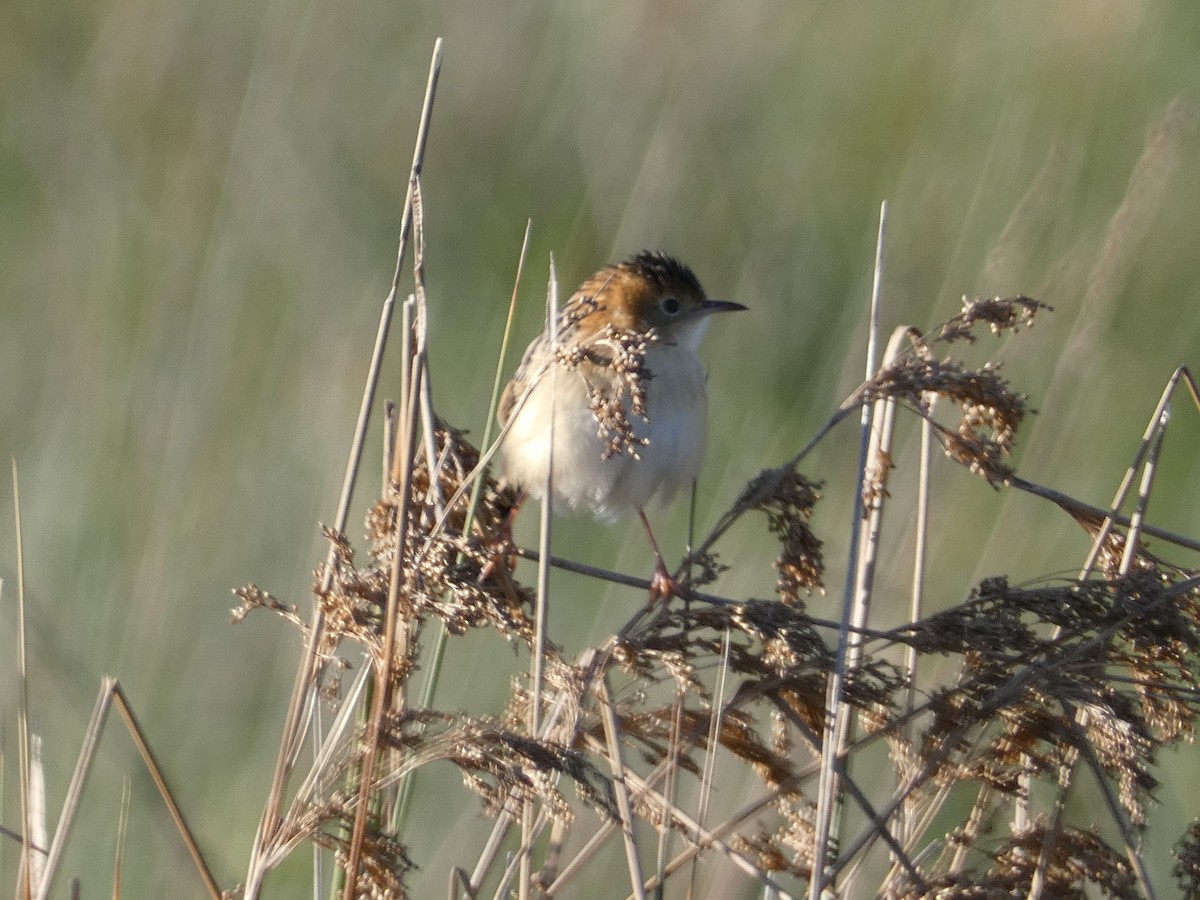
(199, 204)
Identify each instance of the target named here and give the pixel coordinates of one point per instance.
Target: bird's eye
(670, 305)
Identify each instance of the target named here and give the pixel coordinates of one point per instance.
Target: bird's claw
(662, 586)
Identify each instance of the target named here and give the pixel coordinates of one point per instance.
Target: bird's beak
(716, 306)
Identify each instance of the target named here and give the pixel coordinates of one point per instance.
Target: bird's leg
(510, 518)
(504, 546)
(662, 586)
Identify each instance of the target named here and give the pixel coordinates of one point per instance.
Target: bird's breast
(669, 441)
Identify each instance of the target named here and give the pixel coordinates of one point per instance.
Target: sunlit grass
(199, 210)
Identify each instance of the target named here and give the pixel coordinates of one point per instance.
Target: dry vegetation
(1072, 684)
(1082, 680)
(1074, 681)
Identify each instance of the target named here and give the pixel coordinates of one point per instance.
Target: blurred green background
(199, 204)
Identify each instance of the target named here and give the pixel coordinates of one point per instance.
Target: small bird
(624, 381)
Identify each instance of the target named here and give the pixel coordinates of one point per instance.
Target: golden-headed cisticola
(621, 386)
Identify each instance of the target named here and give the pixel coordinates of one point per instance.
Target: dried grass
(1095, 673)
(1089, 678)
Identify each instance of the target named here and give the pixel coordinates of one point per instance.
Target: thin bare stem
(35, 832)
(588, 662)
(1037, 883)
(1066, 777)
(110, 693)
(394, 630)
(878, 822)
(389, 445)
(502, 356)
(1151, 444)
(477, 482)
(151, 761)
(1127, 481)
(491, 847)
(517, 862)
(671, 777)
(27, 885)
(87, 753)
(878, 468)
(1133, 537)
(920, 549)
(706, 837)
(122, 828)
(838, 714)
(1086, 512)
(686, 593)
(545, 526)
(612, 734)
(714, 741)
(541, 607)
(1119, 816)
(306, 676)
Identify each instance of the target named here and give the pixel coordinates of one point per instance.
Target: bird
(621, 385)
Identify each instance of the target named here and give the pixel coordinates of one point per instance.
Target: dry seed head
(613, 367)
(788, 499)
(1187, 861)
(1000, 314)
(991, 411)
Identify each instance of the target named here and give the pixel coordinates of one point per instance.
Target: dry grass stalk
(1095, 670)
(1014, 711)
(1080, 678)
(1029, 703)
(308, 676)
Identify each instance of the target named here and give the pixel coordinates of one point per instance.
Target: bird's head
(650, 292)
